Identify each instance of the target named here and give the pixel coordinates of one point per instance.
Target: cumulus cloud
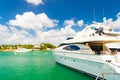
(115, 24)
(80, 23)
(51, 36)
(69, 22)
(3, 30)
(26, 22)
(35, 2)
(4, 33)
(29, 20)
(58, 35)
(19, 36)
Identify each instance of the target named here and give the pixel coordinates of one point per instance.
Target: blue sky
(62, 9)
(35, 20)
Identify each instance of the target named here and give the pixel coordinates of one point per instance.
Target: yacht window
(71, 48)
(118, 49)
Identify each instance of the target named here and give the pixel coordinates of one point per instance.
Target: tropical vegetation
(43, 46)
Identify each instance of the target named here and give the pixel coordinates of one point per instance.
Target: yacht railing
(105, 52)
(103, 75)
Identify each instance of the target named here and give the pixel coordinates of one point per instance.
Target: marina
(60, 40)
(35, 65)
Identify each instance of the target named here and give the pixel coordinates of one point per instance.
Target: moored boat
(22, 50)
(88, 52)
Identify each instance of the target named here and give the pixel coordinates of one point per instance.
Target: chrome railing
(103, 75)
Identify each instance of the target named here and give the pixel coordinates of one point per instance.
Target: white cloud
(35, 2)
(37, 23)
(80, 23)
(4, 33)
(56, 36)
(3, 28)
(118, 15)
(29, 20)
(69, 22)
(13, 35)
(51, 36)
(115, 24)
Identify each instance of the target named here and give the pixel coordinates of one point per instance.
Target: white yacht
(21, 50)
(88, 53)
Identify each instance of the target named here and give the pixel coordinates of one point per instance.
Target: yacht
(21, 50)
(88, 52)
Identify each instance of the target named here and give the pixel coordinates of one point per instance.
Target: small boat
(22, 50)
(87, 52)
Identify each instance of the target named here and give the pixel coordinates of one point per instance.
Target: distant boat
(23, 50)
(89, 53)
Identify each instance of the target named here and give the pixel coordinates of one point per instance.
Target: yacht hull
(87, 64)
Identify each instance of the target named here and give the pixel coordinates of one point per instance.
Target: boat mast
(94, 14)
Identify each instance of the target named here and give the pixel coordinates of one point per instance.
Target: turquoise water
(35, 65)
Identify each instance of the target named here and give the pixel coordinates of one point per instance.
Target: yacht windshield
(71, 48)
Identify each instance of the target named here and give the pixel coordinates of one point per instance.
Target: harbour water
(35, 65)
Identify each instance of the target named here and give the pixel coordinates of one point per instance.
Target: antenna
(103, 13)
(94, 14)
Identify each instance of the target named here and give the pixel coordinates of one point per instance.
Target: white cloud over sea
(30, 28)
